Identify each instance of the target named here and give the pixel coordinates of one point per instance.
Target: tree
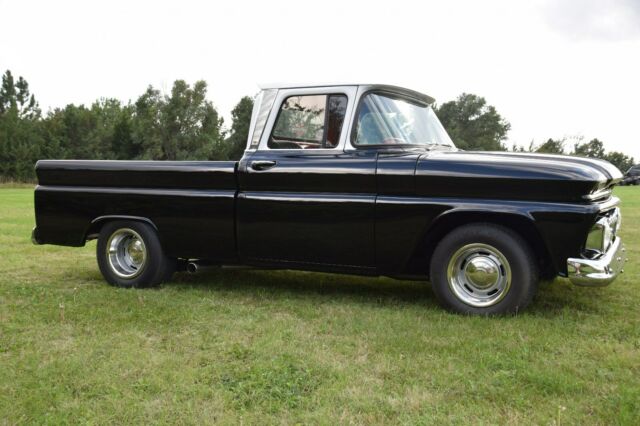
(620, 160)
(123, 145)
(77, 124)
(241, 119)
(146, 124)
(472, 124)
(20, 139)
(180, 126)
(530, 148)
(552, 146)
(109, 116)
(594, 149)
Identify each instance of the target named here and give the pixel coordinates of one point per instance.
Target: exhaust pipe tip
(192, 267)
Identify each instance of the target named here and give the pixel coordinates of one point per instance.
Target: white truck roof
(388, 87)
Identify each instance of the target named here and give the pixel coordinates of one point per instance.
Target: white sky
(552, 68)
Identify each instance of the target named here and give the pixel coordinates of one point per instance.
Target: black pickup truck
(359, 179)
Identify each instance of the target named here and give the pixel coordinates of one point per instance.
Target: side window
(309, 122)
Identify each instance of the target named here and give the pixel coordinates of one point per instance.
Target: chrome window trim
(283, 94)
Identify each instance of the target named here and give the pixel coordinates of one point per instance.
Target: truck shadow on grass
(554, 298)
(275, 284)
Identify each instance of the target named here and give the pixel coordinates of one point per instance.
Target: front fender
(409, 229)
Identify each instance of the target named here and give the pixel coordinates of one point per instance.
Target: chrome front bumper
(598, 272)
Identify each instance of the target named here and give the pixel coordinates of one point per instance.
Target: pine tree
(21, 140)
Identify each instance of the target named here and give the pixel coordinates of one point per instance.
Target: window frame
(388, 94)
(325, 128)
(351, 91)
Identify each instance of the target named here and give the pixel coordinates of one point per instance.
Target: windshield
(386, 120)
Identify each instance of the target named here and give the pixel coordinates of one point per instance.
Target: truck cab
(309, 174)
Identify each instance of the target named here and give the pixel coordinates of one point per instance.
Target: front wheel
(483, 269)
(129, 255)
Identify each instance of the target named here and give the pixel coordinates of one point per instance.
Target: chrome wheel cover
(126, 253)
(479, 275)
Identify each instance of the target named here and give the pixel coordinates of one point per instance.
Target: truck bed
(191, 203)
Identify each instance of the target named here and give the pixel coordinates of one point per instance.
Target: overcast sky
(552, 68)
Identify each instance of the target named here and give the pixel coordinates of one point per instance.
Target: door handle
(262, 164)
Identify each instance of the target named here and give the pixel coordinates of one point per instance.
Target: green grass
(294, 347)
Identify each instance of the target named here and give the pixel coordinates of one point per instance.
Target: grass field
(293, 347)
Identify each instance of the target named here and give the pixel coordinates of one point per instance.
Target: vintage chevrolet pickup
(358, 179)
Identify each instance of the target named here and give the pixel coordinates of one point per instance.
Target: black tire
(459, 259)
(154, 269)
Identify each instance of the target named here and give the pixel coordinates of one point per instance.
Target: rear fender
(96, 225)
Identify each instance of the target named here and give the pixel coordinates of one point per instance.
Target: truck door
(303, 199)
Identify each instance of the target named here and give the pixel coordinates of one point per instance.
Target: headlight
(604, 231)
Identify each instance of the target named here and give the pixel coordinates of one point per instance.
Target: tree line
(475, 125)
(184, 125)
(180, 125)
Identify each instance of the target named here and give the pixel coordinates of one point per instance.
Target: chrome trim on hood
(600, 195)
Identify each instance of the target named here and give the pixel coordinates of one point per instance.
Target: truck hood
(520, 176)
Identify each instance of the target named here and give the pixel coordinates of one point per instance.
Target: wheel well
(96, 224)
(419, 262)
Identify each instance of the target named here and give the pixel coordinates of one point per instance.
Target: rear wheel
(129, 255)
(483, 269)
